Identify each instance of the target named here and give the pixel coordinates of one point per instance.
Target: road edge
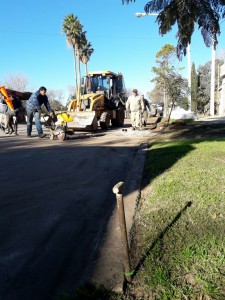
(108, 268)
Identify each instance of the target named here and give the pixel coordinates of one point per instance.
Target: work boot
(42, 135)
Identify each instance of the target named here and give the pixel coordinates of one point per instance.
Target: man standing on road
(135, 105)
(146, 109)
(33, 108)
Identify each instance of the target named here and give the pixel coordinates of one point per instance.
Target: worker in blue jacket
(33, 108)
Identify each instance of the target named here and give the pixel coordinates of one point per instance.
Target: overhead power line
(61, 34)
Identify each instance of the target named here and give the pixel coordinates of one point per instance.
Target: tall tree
(167, 76)
(204, 73)
(82, 49)
(164, 65)
(194, 88)
(187, 13)
(86, 51)
(80, 41)
(73, 29)
(176, 87)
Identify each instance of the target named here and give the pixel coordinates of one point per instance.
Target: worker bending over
(33, 108)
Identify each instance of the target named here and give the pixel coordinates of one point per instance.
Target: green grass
(181, 225)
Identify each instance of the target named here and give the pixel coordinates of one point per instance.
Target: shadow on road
(56, 201)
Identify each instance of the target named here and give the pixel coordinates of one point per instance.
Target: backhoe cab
(102, 99)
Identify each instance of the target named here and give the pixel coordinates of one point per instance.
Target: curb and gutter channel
(108, 269)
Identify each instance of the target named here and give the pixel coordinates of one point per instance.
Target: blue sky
(32, 43)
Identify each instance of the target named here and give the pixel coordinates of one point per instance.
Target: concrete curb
(108, 270)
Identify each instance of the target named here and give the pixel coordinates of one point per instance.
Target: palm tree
(206, 13)
(85, 53)
(73, 29)
(80, 41)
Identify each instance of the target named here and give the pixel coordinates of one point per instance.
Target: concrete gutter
(108, 270)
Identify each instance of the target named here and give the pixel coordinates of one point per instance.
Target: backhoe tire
(119, 121)
(94, 124)
(105, 120)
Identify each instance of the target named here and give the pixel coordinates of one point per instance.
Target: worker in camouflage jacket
(33, 108)
(135, 105)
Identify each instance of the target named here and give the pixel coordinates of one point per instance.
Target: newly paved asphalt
(56, 200)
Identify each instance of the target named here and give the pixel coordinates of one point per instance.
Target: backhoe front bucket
(83, 120)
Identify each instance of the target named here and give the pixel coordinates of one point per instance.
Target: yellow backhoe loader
(101, 101)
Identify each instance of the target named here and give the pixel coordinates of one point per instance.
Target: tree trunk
(171, 111)
(86, 69)
(75, 67)
(79, 79)
(165, 102)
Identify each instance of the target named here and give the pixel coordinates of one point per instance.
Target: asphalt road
(56, 199)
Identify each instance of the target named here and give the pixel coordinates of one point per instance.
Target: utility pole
(189, 76)
(212, 88)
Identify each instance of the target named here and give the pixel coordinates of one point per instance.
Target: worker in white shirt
(135, 105)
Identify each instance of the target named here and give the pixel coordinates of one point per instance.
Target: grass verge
(180, 248)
